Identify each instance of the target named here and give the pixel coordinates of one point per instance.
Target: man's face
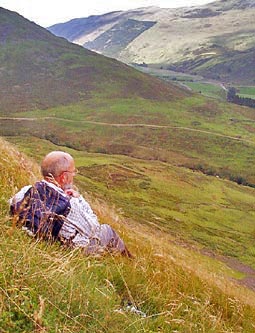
(68, 175)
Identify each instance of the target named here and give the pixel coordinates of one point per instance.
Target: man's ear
(62, 178)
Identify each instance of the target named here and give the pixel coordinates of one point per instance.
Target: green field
(194, 82)
(247, 92)
(207, 89)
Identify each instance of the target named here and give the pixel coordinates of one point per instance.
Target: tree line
(234, 98)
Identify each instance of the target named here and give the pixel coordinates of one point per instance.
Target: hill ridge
(40, 70)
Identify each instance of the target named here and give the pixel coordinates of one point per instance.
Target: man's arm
(18, 197)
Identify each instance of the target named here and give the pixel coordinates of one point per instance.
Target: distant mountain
(216, 40)
(39, 70)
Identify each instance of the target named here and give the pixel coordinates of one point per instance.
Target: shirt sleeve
(81, 219)
(19, 196)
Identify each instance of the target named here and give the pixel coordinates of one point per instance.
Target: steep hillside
(46, 288)
(40, 70)
(95, 28)
(214, 40)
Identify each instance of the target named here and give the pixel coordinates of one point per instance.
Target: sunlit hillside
(60, 92)
(215, 40)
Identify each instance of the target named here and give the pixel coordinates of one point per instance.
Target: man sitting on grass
(52, 209)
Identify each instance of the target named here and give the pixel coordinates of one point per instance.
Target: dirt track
(249, 273)
(135, 125)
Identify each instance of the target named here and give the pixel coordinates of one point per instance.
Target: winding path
(134, 125)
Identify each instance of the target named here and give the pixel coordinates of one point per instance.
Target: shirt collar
(55, 187)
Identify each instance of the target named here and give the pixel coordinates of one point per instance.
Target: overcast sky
(49, 12)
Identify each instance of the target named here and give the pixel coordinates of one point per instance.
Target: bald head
(55, 163)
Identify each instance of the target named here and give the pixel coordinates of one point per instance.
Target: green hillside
(39, 70)
(46, 288)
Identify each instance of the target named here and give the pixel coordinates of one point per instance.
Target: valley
(197, 83)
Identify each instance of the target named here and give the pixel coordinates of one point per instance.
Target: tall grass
(46, 288)
(16, 171)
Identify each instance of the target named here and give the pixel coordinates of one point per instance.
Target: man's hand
(72, 193)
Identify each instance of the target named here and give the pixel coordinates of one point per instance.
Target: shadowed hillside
(39, 70)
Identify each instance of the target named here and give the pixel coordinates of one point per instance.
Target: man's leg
(110, 240)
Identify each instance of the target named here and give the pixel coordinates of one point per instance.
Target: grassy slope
(40, 71)
(248, 92)
(50, 289)
(194, 131)
(211, 213)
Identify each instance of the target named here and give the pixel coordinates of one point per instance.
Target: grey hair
(55, 163)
